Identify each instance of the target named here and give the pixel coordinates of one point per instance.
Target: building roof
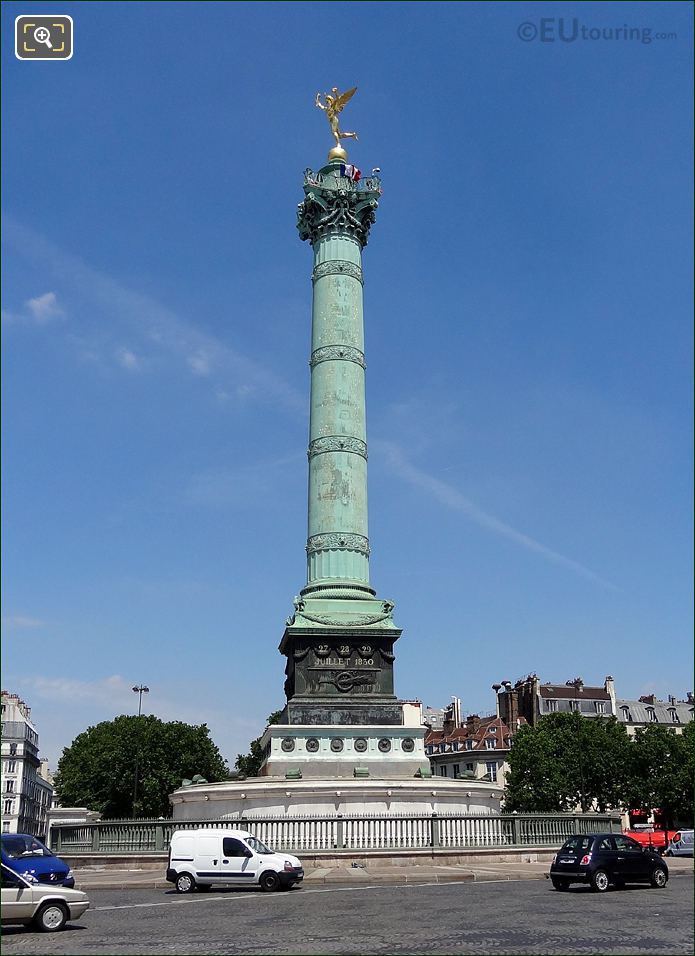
(563, 692)
(640, 711)
(478, 736)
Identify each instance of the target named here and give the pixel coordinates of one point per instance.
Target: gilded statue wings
(341, 99)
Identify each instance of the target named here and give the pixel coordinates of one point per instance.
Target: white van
(203, 858)
(682, 844)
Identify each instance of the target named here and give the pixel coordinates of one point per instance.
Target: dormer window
(551, 706)
(492, 730)
(469, 745)
(600, 706)
(651, 715)
(674, 715)
(490, 744)
(574, 705)
(625, 713)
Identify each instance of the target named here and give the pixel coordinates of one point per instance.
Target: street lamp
(138, 689)
(578, 683)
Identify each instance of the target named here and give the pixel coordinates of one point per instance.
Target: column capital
(335, 205)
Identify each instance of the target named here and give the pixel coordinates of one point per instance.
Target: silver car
(47, 907)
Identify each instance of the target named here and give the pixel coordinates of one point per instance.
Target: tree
(568, 761)
(249, 764)
(662, 768)
(99, 768)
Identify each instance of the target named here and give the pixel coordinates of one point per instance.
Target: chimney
(609, 687)
(648, 699)
(472, 723)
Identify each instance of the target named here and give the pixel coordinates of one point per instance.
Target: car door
(607, 856)
(208, 853)
(239, 863)
(16, 896)
(633, 862)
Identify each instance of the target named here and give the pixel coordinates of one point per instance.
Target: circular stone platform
(260, 797)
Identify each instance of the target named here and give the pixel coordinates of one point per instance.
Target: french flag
(351, 172)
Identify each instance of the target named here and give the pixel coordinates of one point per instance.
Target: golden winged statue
(333, 104)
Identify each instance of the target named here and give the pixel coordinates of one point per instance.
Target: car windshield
(257, 846)
(18, 845)
(577, 844)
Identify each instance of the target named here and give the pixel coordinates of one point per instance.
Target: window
(674, 715)
(574, 705)
(9, 786)
(5, 826)
(490, 744)
(469, 745)
(625, 713)
(10, 879)
(606, 844)
(551, 706)
(10, 766)
(9, 806)
(232, 847)
(651, 715)
(469, 767)
(626, 845)
(492, 730)
(491, 768)
(13, 750)
(442, 771)
(600, 706)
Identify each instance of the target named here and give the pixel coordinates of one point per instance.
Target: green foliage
(662, 769)
(98, 769)
(568, 761)
(250, 763)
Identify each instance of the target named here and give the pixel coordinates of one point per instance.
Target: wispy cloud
(452, 498)
(17, 622)
(44, 307)
(160, 327)
(238, 486)
(37, 311)
(128, 360)
(199, 363)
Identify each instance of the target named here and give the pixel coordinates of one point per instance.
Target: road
(526, 917)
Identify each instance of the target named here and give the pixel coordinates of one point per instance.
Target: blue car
(28, 856)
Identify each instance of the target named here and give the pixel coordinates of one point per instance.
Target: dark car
(602, 859)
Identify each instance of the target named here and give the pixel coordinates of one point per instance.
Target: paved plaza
(482, 917)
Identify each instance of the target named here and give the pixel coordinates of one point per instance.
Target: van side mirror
(248, 853)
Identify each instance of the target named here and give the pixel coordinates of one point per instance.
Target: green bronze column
(342, 716)
(335, 217)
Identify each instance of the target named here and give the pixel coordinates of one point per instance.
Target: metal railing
(343, 833)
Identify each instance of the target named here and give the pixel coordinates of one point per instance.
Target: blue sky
(527, 313)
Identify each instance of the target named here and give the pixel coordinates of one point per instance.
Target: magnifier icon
(43, 35)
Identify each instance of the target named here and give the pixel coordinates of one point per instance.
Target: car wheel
(599, 881)
(184, 883)
(559, 884)
(52, 917)
(270, 881)
(659, 878)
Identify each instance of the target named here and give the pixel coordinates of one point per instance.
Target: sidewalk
(94, 878)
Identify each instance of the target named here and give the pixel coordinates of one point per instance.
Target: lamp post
(577, 683)
(138, 689)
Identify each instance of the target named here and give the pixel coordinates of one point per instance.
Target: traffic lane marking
(257, 896)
